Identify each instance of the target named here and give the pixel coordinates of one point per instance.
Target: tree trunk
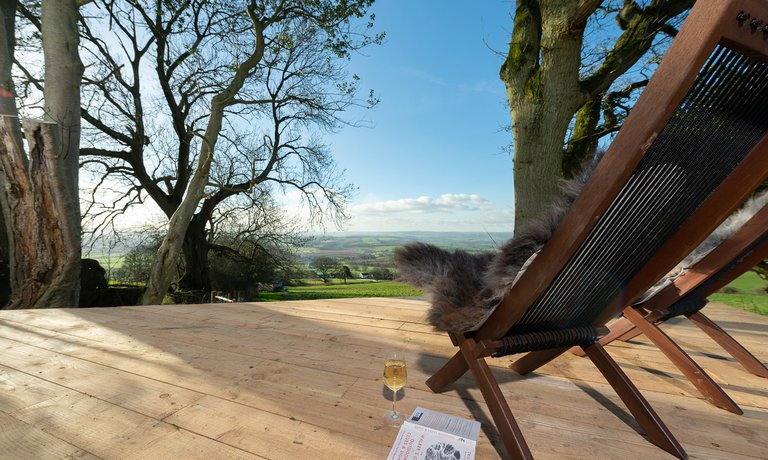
(197, 273)
(63, 74)
(7, 108)
(42, 255)
(541, 75)
(7, 47)
(40, 192)
(583, 142)
(161, 273)
(538, 137)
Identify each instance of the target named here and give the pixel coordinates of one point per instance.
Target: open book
(431, 435)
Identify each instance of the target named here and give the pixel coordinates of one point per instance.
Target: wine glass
(395, 377)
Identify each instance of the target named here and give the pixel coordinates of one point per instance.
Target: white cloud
(449, 202)
(448, 212)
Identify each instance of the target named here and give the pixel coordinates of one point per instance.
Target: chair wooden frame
(711, 22)
(742, 251)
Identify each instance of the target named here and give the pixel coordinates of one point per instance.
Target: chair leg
(741, 354)
(535, 359)
(449, 373)
(629, 335)
(617, 329)
(577, 350)
(505, 422)
(640, 408)
(695, 374)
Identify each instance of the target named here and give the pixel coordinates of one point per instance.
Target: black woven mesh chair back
(721, 118)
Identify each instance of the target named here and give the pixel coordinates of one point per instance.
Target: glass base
(394, 419)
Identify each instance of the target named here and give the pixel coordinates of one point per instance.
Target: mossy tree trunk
(546, 90)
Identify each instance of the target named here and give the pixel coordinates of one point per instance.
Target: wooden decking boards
(303, 380)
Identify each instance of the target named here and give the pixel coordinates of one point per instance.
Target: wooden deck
(302, 380)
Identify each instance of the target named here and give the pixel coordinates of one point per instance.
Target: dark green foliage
(233, 272)
(326, 267)
(344, 273)
(136, 264)
(381, 274)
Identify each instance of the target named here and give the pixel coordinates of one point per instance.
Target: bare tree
(39, 184)
(558, 79)
(252, 242)
(191, 103)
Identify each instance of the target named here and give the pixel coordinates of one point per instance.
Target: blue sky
(434, 157)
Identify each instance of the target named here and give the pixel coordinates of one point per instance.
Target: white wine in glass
(395, 378)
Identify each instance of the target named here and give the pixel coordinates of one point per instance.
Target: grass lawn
(749, 282)
(757, 303)
(337, 289)
(745, 293)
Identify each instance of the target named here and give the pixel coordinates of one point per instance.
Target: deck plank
(19, 440)
(302, 379)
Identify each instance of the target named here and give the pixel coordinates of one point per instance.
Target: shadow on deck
(303, 380)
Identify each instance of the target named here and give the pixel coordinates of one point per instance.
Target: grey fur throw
(464, 288)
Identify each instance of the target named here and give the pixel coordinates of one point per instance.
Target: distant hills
(449, 240)
(362, 249)
(373, 249)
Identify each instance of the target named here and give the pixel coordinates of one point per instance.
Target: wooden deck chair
(690, 152)
(686, 296)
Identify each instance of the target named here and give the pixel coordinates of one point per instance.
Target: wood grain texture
(303, 380)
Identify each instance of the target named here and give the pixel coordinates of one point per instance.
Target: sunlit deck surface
(302, 380)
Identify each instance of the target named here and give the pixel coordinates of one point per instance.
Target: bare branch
(641, 27)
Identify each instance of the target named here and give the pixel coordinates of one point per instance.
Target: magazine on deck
(431, 435)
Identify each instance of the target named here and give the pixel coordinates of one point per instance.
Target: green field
(365, 252)
(337, 290)
(745, 293)
(749, 282)
(756, 303)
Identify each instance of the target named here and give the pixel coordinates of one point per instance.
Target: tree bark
(5, 281)
(583, 141)
(197, 273)
(63, 73)
(7, 47)
(541, 75)
(41, 252)
(40, 191)
(161, 273)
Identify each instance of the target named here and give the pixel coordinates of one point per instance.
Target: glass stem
(394, 401)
